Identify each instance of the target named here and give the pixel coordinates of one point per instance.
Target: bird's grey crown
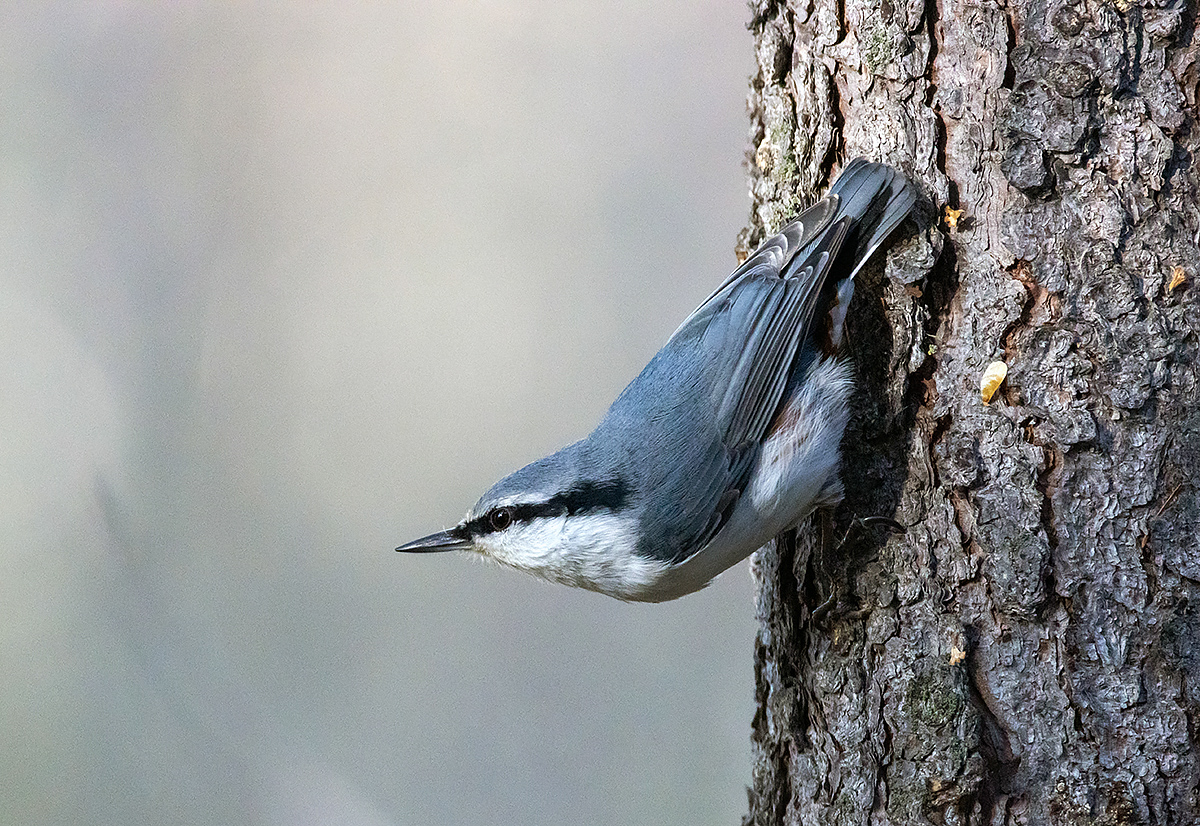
(554, 486)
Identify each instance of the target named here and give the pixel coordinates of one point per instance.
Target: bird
(729, 436)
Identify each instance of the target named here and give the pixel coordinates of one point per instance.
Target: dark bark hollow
(1028, 651)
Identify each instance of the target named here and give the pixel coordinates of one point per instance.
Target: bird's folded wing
(755, 337)
(750, 333)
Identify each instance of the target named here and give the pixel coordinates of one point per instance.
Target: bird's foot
(862, 523)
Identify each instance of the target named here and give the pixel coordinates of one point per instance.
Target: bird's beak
(449, 540)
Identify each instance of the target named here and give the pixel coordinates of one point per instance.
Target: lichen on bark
(1027, 650)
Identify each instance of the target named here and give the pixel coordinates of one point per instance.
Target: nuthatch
(730, 435)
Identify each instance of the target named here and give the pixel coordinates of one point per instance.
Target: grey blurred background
(285, 285)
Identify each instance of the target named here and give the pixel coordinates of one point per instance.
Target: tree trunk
(1028, 651)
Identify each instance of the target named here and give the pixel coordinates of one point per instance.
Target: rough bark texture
(1028, 652)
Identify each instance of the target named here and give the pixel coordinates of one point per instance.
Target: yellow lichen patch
(957, 655)
(1178, 276)
(993, 377)
(952, 217)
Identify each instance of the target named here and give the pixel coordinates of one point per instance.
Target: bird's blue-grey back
(681, 440)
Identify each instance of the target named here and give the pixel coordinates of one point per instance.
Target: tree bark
(1028, 650)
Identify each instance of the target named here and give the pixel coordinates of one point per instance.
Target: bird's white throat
(594, 550)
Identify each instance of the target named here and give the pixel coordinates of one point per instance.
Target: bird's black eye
(500, 518)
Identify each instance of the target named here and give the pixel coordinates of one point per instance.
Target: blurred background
(285, 285)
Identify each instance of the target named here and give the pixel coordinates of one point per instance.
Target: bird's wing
(769, 319)
(751, 331)
(748, 336)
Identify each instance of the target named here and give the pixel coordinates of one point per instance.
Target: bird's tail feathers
(864, 205)
(877, 198)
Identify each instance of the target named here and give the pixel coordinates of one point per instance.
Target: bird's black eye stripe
(584, 498)
(610, 494)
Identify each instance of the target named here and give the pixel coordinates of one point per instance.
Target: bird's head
(562, 525)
